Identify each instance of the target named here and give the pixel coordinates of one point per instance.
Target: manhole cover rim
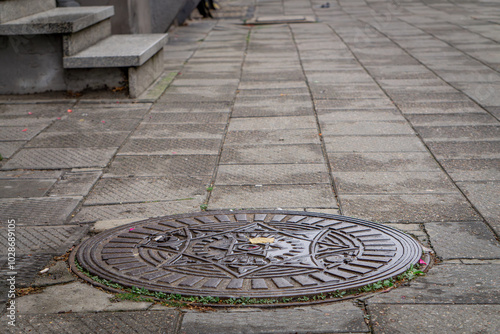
(412, 254)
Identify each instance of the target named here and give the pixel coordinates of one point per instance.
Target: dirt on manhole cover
(257, 254)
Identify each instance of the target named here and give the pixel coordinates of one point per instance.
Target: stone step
(118, 51)
(65, 20)
(15, 9)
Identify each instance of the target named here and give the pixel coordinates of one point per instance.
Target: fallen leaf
(25, 130)
(261, 240)
(30, 113)
(69, 110)
(422, 262)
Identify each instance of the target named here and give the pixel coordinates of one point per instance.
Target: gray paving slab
(57, 158)
(485, 197)
(8, 148)
(271, 174)
(200, 93)
(75, 184)
(367, 128)
(134, 190)
(272, 137)
(409, 208)
(439, 107)
(40, 210)
(334, 116)
(273, 92)
(272, 123)
(179, 131)
(191, 107)
(393, 183)
(272, 196)
(389, 143)
(30, 174)
(335, 318)
(471, 240)
(79, 140)
(11, 133)
(92, 123)
(382, 162)
(475, 132)
(130, 165)
(251, 154)
(187, 117)
(164, 321)
(434, 318)
(272, 84)
(484, 149)
(53, 240)
(26, 269)
(472, 169)
(58, 273)
(137, 211)
(115, 110)
(37, 109)
(169, 146)
(448, 284)
(459, 119)
(24, 188)
(362, 103)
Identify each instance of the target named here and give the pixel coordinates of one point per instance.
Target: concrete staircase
(44, 48)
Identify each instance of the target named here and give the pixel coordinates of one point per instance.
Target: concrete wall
(140, 16)
(30, 64)
(131, 16)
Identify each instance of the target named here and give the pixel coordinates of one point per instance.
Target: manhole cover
(260, 254)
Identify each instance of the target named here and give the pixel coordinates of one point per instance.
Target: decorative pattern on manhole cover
(258, 254)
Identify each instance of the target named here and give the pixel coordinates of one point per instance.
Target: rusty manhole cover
(260, 254)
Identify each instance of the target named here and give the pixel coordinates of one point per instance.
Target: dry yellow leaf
(261, 240)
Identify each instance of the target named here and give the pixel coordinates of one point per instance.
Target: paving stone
(373, 144)
(366, 128)
(8, 148)
(273, 92)
(472, 240)
(53, 240)
(281, 74)
(26, 269)
(24, 188)
(30, 174)
(58, 273)
(335, 116)
(393, 183)
(115, 110)
(192, 107)
(79, 140)
(346, 91)
(167, 146)
(247, 154)
(451, 119)
(39, 211)
(383, 162)
(37, 109)
(334, 318)
(179, 131)
(448, 284)
(271, 196)
(270, 137)
(273, 123)
(271, 174)
(272, 84)
(164, 321)
(343, 104)
(205, 82)
(465, 149)
(57, 158)
(162, 165)
(75, 184)
(200, 93)
(185, 117)
(485, 196)
(484, 93)
(472, 169)
(409, 208)
(134, 190)
(338, 77)
(272, 110)
(439, 107)
(93, 123)
(11, 133)
(137, 210)
(74, 297)
(434, 318)
(459, 132)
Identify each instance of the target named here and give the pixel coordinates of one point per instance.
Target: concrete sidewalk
(385, 111)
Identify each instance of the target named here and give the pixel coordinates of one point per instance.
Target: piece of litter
(258, 185)
(422, 262)
(44, 271)
(24, 130)
(261, 240)
(69, 110)
(131, 229)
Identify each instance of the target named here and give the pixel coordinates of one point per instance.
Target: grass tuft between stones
(177, 300)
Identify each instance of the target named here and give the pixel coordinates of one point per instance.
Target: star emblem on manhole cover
(258, 254)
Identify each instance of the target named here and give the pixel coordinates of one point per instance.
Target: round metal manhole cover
(258, 254)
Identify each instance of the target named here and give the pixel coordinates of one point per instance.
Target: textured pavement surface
(382, 110)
